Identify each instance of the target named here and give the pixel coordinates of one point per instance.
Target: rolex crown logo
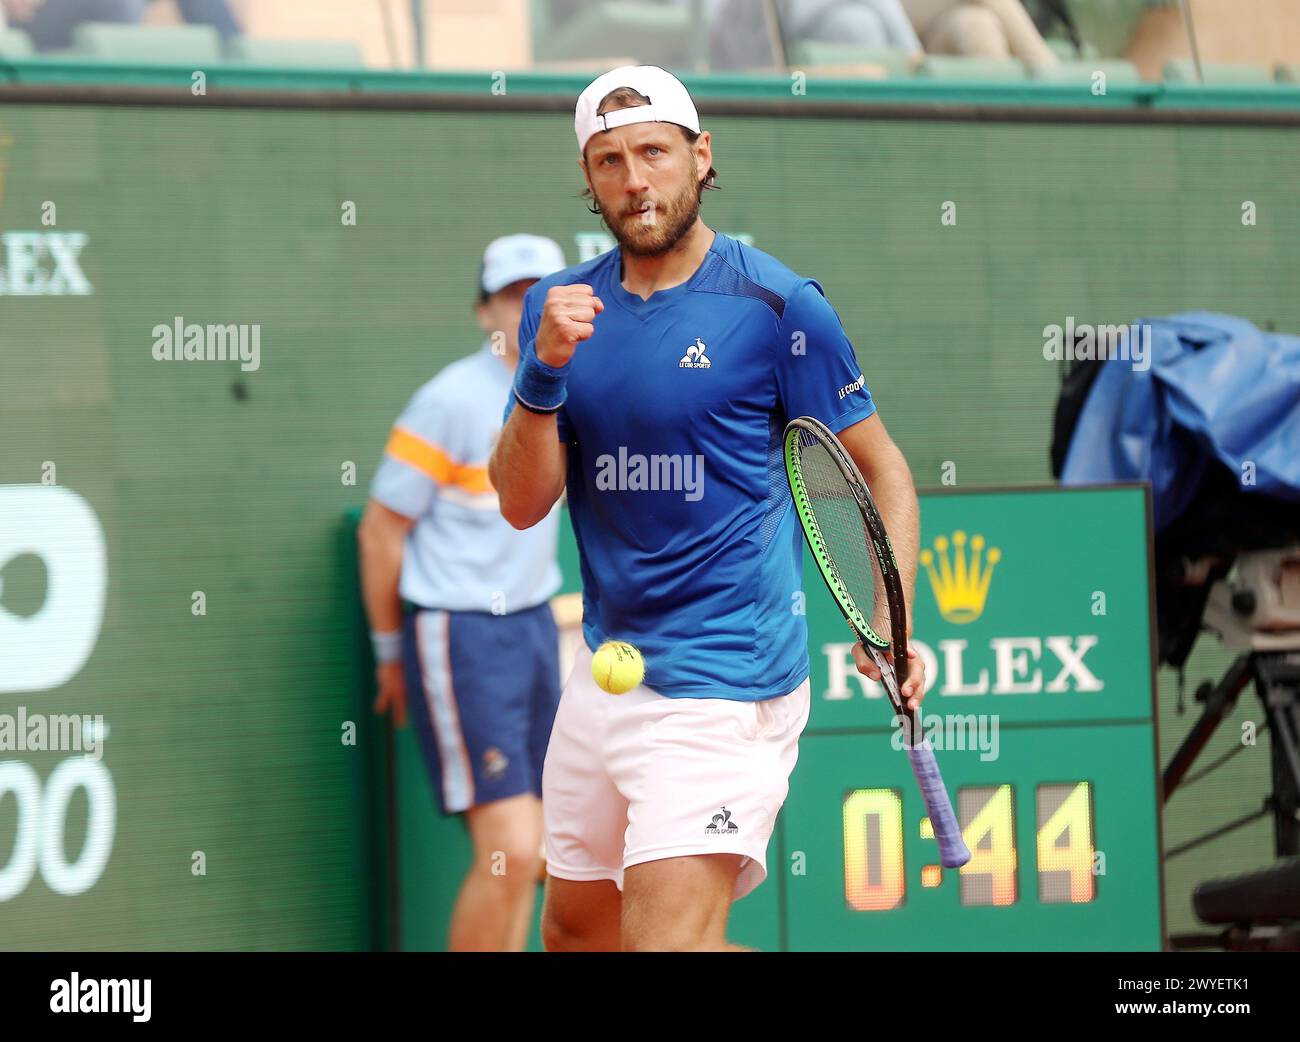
(960, 580)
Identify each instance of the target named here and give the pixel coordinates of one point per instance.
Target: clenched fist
(567, 318)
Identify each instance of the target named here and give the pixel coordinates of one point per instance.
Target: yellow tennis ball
(617, 667)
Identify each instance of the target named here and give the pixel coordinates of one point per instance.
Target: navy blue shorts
(482, 691)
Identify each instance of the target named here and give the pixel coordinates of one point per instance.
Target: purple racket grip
(952, 848)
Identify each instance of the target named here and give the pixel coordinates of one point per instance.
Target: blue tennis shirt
(676, 482)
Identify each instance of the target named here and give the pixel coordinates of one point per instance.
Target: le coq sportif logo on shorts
(721, 824)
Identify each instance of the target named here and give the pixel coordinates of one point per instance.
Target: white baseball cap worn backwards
(670, 102)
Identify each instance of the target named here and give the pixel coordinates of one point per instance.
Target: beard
(673, 218)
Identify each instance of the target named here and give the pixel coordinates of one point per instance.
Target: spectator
(18, 10)
(50, 22)
(476, 658)
(980, 29)
(740, 37)
(869, 23)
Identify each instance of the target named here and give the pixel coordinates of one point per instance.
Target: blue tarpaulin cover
(1214, 387)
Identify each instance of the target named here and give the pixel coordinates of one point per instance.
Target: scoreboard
(1033, 615)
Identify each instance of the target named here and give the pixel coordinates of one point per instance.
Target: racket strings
(849, 547)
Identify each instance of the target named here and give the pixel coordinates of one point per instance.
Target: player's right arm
(528, 466)
(423, 453)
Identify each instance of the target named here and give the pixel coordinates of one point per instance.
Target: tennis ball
(617, 667)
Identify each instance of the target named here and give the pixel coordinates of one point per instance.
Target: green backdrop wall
(227, 728)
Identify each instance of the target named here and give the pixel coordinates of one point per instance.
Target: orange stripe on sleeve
(409, 448)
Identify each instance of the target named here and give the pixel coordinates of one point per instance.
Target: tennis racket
(848, 541)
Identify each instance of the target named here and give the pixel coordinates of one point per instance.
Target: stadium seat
(1063, 49)
(151, 45)
(814, 53)
(326, 54)
(1107, 25)
(656, 34)
(949, 67)
(15, 44)
(1217, 74)
(1081, 71)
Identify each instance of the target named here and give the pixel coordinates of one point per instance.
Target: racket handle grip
(952, 848)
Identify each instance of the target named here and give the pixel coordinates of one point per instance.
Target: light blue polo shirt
(461, 554)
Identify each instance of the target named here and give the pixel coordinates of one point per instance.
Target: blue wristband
(539, 387)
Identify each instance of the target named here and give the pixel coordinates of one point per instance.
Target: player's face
(645, 178)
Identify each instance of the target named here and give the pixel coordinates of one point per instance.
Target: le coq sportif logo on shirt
(695, 358)
(856, 385)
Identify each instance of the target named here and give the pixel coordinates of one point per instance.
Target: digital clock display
(875, 872)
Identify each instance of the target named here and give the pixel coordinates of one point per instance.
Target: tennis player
(475, 657)
(654, 384)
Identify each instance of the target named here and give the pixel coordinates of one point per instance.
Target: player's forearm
(381, 571)
(528, 467)
(895, 497)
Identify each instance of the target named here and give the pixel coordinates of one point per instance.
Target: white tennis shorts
(639, 777)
